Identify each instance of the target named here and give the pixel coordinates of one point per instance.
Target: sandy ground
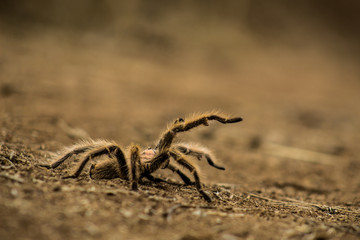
(292, 165)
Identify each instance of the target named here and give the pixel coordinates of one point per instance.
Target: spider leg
(181, 125)
(135, 166)
(154, 164)
(185, 163)
(105, 150)
(154, 179)
(64, 158)
(185, 178)
(199, 155)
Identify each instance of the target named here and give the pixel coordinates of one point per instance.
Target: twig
(6, 167)
(298, 203)
(298, 154)
(14, 178)
(12, 165)
(225, 214)
(260, 197)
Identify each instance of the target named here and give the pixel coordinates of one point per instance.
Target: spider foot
(205, 196)
(134, 186)
(70, 176)
(189, 183)
(154, 179)
(158, 180)
(91, 171)
(47, 166)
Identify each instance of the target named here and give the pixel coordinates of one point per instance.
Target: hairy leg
(199, 154)
(135, 166)
(185, 178)
(66, 156)
(161, 160)
(78, 148)
(185, 163)
(182, 125)
(105, 150)
(154, 179)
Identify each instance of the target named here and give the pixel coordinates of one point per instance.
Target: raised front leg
(182, 125)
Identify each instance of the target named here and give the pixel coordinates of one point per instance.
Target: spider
(133, 164)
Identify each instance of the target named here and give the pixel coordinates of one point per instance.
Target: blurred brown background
(257, 58)
(122, 69)
(277, 21)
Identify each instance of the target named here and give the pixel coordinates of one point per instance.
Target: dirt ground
(292, 166)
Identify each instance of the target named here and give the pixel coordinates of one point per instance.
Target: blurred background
(117, 64)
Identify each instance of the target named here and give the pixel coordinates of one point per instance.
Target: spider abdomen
(107, 170)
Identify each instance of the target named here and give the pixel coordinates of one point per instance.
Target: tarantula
(135, 163)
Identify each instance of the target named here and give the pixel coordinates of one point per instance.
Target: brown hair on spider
(136, 163)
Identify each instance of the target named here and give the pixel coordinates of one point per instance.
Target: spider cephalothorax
(133, 164)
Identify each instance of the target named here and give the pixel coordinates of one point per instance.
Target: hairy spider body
(133, 164)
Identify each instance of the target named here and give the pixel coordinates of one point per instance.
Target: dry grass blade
(298, 203)
(12, 177)
(282, 151)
